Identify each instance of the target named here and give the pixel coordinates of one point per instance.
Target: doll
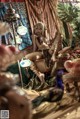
(41, 41)
(40, 55)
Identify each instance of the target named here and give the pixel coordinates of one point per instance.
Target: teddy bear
(72, 77)
(73, 69)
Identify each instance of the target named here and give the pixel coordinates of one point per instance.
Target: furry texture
(73, 68)
(14, 98)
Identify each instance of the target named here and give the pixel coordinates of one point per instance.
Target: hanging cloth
(44, 11)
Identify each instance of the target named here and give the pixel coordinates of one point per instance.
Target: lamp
(11, 15)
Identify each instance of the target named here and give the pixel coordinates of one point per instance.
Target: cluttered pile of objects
(55, 72)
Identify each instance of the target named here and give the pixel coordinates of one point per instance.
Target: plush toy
(73, 68)
(72, 77)
(13, 98)
(9, 55)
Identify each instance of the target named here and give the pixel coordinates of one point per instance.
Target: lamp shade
(22, 30)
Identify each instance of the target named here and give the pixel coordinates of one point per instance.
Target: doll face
(39, 29)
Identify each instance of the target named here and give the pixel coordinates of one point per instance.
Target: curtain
(44, 11)
(73, 1)
(11, 0)
(26, 39)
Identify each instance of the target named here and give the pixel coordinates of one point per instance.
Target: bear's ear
(68, 65)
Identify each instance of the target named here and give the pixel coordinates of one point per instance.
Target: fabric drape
(8, 38)
(11, 0)
(43, 11)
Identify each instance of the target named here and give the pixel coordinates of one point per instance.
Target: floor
(72, 112)
(68, 109)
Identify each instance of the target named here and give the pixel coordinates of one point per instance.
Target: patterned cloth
(20, 9)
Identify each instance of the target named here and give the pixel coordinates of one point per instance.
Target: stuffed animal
(73, 68)
(13, 98)
(72, 77)
(9, 55)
